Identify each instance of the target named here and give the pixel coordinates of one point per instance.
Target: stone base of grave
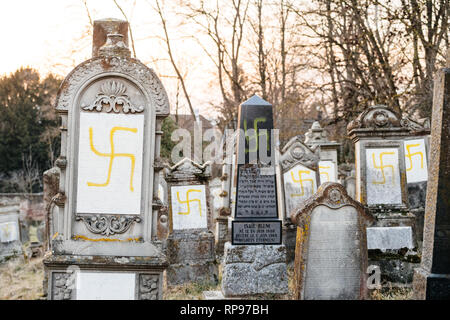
(431, 286)
(71, 277)
(254, 269)
(289, 234)
(394, 250)
(191, 257)
(221, 235)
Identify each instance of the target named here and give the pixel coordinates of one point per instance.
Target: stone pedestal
(191, 256)
(222, 234)
(72, 277)
(254, 269)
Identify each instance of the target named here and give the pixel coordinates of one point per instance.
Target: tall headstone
(331, 252)
(104, 245)
(255, 260)
(298, 180)
(190, 244)
(432, 279)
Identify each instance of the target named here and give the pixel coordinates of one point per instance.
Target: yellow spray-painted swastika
(324, 172)
(409, 155)
(382, 166)
(256, 134)
(112, 155)
(188, 201)
(300, 180)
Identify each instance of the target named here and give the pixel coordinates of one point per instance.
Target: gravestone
(10, 244)
(317, 139)
(299, 180)
(255, 260)
(432, 279)
(104, 243)
(383, 153)
(331, 251)
(190, 244)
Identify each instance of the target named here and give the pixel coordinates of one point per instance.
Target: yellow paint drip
(77, 237)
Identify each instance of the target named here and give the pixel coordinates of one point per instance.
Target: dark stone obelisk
(432, 279)
(256, 212)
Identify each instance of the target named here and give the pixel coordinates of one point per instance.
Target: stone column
(432, 279)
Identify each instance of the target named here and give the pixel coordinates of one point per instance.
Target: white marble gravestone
(107, 206)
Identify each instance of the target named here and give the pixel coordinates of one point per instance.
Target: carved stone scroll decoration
(294, 152)
(112, 93)
(107, 225)
(148, 287)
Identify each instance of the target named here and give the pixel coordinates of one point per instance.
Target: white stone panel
(415, 161)
(110, 163)
(9, 231)
(105, 286)
(299, 185)
(383, 176)
(189, 209)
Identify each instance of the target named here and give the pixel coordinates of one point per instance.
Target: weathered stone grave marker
(331, 252)
(432, 279)
(299, 180)
(104, 243)
(383, 153)
(255, 261)
(190, 244)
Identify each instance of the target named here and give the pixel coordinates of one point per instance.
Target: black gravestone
(432, 279)
(256, 208)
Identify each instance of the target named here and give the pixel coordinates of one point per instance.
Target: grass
(22, 279)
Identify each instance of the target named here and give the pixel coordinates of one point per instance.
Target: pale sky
(50, 36)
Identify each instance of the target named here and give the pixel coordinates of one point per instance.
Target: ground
(21, 279)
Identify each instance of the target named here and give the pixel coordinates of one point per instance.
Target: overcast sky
(50, 36)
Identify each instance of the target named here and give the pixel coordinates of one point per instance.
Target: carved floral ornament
(133, 68)
(107, 225)
(113, 94)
